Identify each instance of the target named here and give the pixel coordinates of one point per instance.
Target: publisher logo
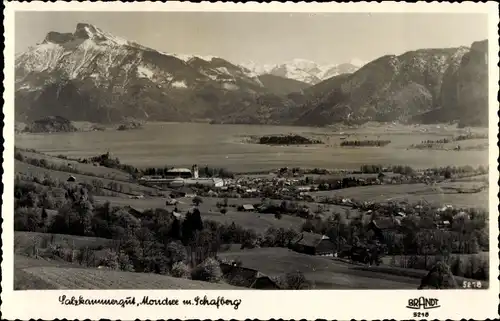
(423, 303)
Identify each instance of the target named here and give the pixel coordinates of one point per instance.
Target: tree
(175, 230)
(191, 223)
(180, 270)
(209, 271)
(124, 262)
(146, 240)
(295, 281)
(196, 221)
(197, 200)
(84, 208)
(175, 253)
(439, 277)
(26, 219)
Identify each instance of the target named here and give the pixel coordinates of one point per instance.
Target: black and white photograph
(205, 150)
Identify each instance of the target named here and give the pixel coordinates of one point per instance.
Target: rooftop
(179, 170)
(309, 239)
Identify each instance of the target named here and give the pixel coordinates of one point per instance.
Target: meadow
(41, 274)
(40, 172)
(328, 273)
(412, 193)
(101, 171)
(325, 272)
(252, 220)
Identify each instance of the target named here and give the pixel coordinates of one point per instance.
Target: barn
(248, 278)
(313, 244)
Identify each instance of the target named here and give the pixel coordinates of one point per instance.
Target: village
(304, 194)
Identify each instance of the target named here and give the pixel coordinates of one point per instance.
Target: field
(100, 171)
(222, 146)
(328, 273)
(412, 193)
(259, 222)
(27, 169)
(40, 274)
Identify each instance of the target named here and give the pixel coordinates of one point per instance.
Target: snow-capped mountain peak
(303, 64)
(85, 31)
(357, 62)
(80, 64)
(188, 57)
(305, 70)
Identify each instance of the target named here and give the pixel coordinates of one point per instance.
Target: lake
(175, 144)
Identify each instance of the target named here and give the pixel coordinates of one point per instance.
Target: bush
(223, 211)
(180, 270)
(18, 156)
(293, 281)
(57, 252)
(109, 259)
(278, 216)
(209, 271)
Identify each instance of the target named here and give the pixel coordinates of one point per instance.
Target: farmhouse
(245, 277)
(313, 244)
(247, 208)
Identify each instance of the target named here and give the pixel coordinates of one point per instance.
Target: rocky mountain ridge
(426, 85)
(91, 75)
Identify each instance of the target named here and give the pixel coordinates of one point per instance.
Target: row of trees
(470, 136)
(416, 240)
(287, 140)
(371, 143)
(435, 171)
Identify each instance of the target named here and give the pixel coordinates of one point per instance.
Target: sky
(262, 38)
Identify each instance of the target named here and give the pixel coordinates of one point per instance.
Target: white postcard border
(314, 304)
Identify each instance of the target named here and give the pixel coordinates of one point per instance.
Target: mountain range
(304, 70)
(92, 75)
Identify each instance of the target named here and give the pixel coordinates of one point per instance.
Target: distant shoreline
(86, 125)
